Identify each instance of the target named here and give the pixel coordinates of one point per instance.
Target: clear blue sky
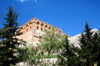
(69, 15)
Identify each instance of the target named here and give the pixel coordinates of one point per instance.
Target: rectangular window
(37, 27)
(41, 29)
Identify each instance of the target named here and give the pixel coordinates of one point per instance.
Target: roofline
(27, 21)
(46, 23)
(41, 21)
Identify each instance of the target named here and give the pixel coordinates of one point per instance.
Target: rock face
(75, 39)
(47, 61)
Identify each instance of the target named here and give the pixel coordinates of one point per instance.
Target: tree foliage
(90, 46)
(86, 55)
(51, 41)
(69, 56)
(31, 55)
(9, 46)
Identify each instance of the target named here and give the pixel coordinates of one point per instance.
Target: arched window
(49, 27)
(45, 26)
(42, 24)
(30, 23)
(38, 23)
(30, 28)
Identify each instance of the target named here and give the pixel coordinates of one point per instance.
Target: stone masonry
(33, 30)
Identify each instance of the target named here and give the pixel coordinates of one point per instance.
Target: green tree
(31, 55)
(96, 48)
(69, 55)
(9, 46)
(51, 41)
(90, 46)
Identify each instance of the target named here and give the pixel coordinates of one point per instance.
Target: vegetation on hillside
(52, 45)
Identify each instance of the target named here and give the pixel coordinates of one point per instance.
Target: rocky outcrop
(75, 39)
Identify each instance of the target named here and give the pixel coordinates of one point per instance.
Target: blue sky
(68, 15)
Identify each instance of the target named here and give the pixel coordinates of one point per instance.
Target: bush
(49, 56)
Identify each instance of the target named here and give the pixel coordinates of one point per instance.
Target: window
(42, 24)
(41, 29)
(37, 23)
(49, 27)
(37, 27)
(59, 31)
(45, 26)
(27, 30)
(30, 23)
(56, 29)
(30, 28)
(27, 24)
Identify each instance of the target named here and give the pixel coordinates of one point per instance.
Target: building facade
(34, 29)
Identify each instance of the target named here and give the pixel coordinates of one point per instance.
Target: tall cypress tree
(9, 46)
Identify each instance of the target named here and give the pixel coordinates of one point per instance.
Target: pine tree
(89, 43)
(96, 48)
(9, 46)
(85, 43)
(69, 55)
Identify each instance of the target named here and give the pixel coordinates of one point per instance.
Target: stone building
(33, 30)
